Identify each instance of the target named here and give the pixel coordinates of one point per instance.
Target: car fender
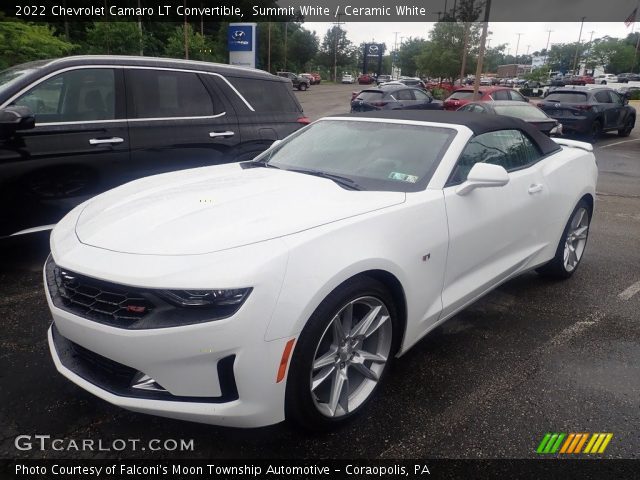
(321, 259)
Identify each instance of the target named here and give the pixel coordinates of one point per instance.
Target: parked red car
(366, 79)
(462, 96)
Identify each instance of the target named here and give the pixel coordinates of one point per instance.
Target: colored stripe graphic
(573, 443)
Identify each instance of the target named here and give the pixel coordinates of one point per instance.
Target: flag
(631, 18)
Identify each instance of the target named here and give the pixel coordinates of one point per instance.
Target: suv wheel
(628, 126)
(595, 132)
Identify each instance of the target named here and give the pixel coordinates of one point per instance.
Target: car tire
(628, 127)
(333, 375)
(571, 246)
(302, 87)
(595, 132)
(603, 82)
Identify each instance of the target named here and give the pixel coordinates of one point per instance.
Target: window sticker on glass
(403, 177)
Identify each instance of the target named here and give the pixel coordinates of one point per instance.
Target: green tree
(114, 38)
(199, 46)
(302, 47)
(22, 42)
(337, 48)
(408, 54)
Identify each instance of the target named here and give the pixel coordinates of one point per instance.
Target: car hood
(216, 208)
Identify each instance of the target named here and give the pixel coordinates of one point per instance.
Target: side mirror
(526, 99)
(15, 118)
(484, 175)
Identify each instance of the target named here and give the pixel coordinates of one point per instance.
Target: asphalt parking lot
(532, 357)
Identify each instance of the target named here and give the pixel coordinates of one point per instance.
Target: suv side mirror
(15, 118)
(484, 175)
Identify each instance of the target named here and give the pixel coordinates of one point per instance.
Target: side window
(77, 95)
(404, 95)
(279, 99)
(510, 149)
(478, 108)
(615, 98)
(603, 97)
(421, 95)
(167, 94)
(516, 96)
(501, 95)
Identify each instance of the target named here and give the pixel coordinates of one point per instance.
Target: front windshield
(375, 155)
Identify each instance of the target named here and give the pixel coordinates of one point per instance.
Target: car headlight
(207, 298)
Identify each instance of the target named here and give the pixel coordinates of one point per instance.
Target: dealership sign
(241, 41)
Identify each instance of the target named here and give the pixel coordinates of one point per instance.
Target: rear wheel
(341, 355)
(628, 126)
(572, 244)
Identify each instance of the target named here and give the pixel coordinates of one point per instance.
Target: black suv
(590, 111)
(298, 81)
(77, 126)
(392, 96)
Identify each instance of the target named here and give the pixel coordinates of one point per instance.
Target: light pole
(546, 50)
(517, 46)
(575, 58)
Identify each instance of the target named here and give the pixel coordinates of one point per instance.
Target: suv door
(493, 232)
(618, 110)
(176, 121)
(609, 111)
(79, 144)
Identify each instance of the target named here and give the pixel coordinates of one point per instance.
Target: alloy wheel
(576, 239)
(351, 356)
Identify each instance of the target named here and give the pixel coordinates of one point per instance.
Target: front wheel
(628, 126)
(341, 355)
(595, 132)
(572, 244)
(302, 87)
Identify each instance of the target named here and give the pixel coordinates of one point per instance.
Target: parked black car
(77, 126)
(590, 111)
(298, 81)
(522, 110)
(394, 97)
(628, 77)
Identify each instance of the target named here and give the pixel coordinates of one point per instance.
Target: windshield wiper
(262, 163)
(339, 179)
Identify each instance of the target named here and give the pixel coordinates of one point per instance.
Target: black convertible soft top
(478, 123)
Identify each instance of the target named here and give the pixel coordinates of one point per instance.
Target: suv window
(615, 98)
(265, 95)
(510, 149)
(420, 95)
(76, 95)
(603, 97)
(167, 94)
(404, 95)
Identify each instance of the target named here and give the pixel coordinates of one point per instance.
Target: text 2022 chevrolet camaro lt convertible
(247, 293)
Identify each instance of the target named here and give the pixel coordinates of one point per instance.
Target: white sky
(533, 33)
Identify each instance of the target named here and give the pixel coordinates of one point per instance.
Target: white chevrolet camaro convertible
(247, 293)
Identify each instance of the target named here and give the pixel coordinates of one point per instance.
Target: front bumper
(221, 372)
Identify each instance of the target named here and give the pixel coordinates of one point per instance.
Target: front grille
(95, 299)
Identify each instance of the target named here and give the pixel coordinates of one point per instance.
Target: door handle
(221, 134)
(102, 141)
(535, 188)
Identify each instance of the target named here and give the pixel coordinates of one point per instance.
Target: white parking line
(619, 143)
(630, 292)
